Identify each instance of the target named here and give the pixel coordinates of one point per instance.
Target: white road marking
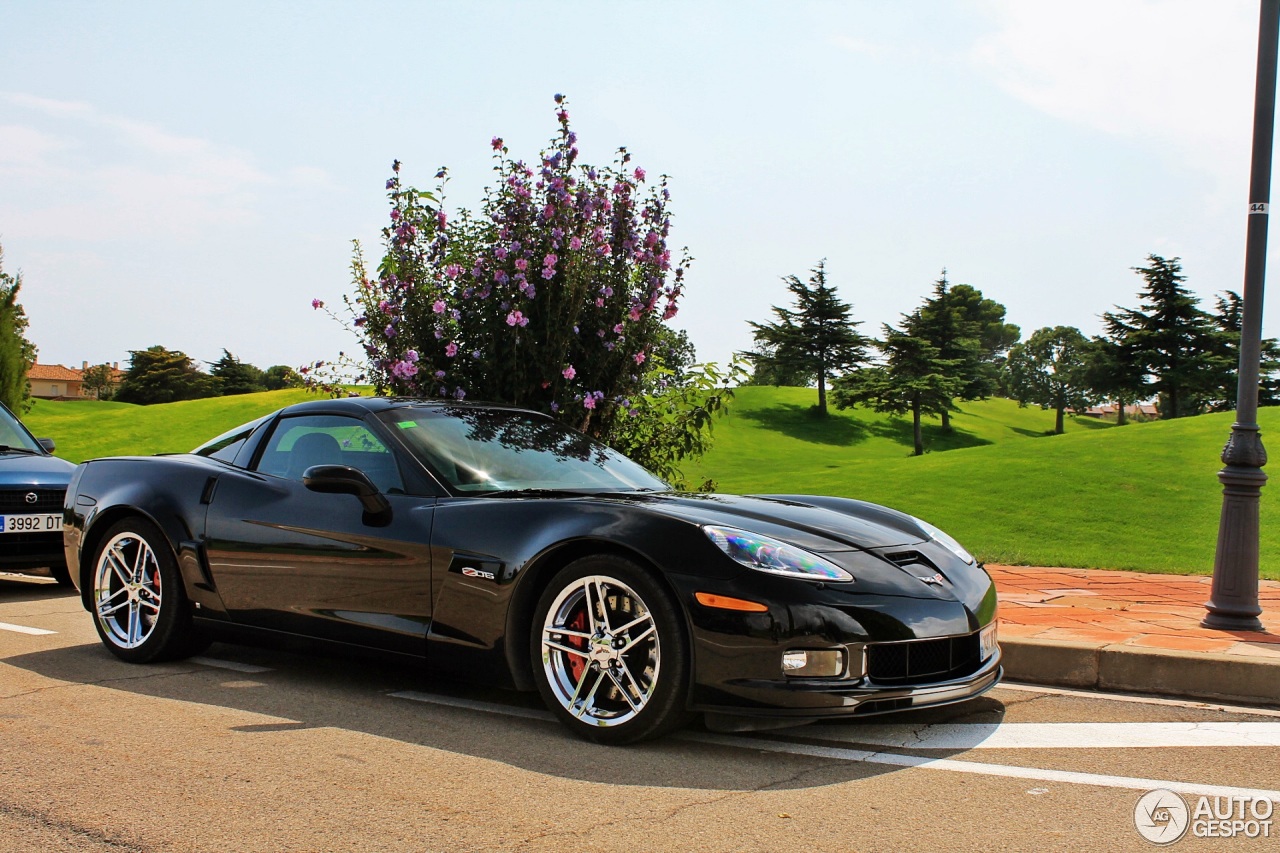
(1050, 735)
(890, 758)
(233, 665)
(1139, 700)
(23, 629)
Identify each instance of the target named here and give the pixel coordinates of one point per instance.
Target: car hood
(817, 523)
(22, 469)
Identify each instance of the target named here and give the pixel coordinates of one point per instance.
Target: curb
(1130, 669)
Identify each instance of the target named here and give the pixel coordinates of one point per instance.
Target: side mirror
(345, 480)
(47, 444)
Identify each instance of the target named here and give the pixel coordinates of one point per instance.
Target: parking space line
(23, 629)
(235, 666)
(953, 736)
(888, 758)
(1139, 700)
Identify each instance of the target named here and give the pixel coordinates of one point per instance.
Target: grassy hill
(84, 429)
(1144, 496)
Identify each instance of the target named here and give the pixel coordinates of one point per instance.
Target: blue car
(33, 483)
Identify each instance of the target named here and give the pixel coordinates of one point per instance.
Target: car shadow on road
(355, 694)
(30, 588)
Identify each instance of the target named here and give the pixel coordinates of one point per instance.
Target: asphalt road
(248, 749)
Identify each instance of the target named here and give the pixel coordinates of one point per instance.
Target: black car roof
(365, 405)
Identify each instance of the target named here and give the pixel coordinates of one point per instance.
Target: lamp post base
(1233, 603)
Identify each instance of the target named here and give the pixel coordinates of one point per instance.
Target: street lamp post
(1233, 603)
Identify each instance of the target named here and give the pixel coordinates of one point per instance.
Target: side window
(226, 447)
(298, 443)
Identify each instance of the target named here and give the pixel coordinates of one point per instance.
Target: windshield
(14, 436)
(479, 450)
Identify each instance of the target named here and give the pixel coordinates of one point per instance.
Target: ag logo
(477, 573)
(1161, 816)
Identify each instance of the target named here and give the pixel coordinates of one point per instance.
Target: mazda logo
(32, 497)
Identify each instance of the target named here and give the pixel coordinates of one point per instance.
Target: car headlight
(946, 541)
(766, 554)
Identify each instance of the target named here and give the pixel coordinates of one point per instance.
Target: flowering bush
(552, 297)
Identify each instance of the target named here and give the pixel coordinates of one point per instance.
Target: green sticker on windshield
(407, 424)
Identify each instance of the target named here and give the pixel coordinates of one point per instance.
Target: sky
(192, 175)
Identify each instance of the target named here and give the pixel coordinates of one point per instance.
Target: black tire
(60, 573)
(628, 683)
(139, 607)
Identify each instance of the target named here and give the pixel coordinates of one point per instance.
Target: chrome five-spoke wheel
(609, 655)
(139, 607)
(127, 590)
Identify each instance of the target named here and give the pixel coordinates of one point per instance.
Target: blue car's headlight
(946, 541)
(765, 554)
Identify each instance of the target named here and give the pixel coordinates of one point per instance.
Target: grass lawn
(1144, 496)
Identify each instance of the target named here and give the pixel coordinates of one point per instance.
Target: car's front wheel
(609, 653)
(139, 607)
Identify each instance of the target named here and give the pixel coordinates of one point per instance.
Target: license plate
(49, 522)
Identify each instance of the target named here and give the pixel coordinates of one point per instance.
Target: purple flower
(389, 331)
(588, 402)
(411, 355)
(459, 394)
(475, 353)
(439, 374)
(496, 142)
(569, 372)
(391, 183)
(451, 350)
(550, 261)
(575, 243)
(316, 303)
(438, 306)
(617, 330)
(515, 318)
(639, 357)
(452, 271)
(404, 369)
(599, 302)
(559, 98)
(500, 253)
(555, 407)
(441, 219)
(522, 264)
(548, 272)
(639, 174)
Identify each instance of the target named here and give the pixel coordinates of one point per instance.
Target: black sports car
(32, 485)
(502, 547)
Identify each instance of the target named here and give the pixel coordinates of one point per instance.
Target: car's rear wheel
(609, 654)
(139, 606)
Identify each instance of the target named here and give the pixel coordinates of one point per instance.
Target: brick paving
(1126, 609)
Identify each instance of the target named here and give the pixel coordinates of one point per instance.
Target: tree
(969, 329)
(1172, 341)
(1229, 316)
(279, 376)
(553, 295)
(1050, 369)
(1111, 375)
(100, 380)
(17, 354)
(913, 378)
(766, 369)
(818, 338)
(236, 377)
(159, 375)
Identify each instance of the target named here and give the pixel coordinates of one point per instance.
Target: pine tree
(1171, 340)
(969, 329)
(236, 377)
(1229, 318)
(818, 338)
(159, 375)
(913, 378)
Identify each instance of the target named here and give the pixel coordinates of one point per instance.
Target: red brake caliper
(577, 664)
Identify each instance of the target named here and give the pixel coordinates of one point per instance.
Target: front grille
(21, 547)
(15, 500)
(923, 661)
